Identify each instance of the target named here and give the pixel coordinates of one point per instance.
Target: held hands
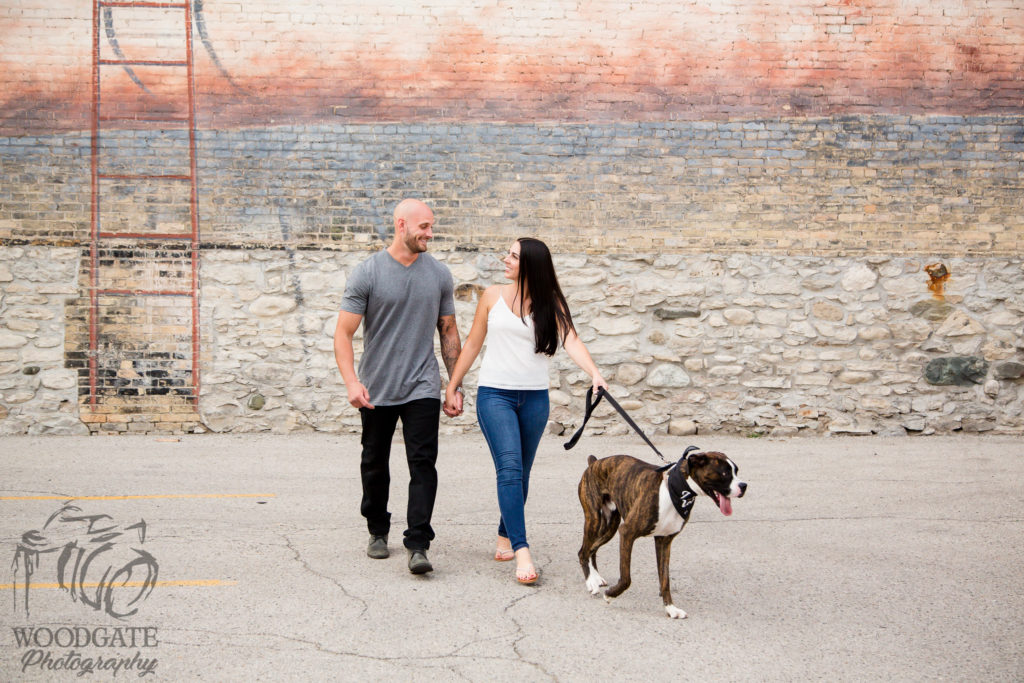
(452, 402)
(359, 397)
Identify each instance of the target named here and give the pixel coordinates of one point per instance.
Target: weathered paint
(258, 63)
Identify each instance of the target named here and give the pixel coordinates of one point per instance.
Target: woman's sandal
(529, 579)
(502, 555)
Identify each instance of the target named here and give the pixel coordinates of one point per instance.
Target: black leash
(601, 393)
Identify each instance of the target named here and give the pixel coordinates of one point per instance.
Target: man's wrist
(459, 390)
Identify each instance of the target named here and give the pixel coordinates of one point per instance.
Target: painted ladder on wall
(144, 337)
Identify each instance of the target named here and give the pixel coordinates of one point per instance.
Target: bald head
(414, 226)
(409, 207)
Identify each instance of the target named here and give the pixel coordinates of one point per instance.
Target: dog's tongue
(725, 505)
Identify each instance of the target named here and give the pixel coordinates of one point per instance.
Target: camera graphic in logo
(98, 561)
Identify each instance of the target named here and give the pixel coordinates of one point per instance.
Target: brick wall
(501, 60)
(798, 128)
(927, 184)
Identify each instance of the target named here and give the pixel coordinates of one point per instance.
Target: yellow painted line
(196, 582)
(146, 497)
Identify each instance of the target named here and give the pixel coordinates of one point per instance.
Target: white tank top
(510, 361)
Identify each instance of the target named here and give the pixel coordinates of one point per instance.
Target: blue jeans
(512, 421)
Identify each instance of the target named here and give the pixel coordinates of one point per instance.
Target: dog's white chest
(669, 520)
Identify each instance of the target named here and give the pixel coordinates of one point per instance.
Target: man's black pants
(420, 420)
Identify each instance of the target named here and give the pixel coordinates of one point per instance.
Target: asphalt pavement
(242, 557)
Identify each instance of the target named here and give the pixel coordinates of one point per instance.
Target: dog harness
(680, 492)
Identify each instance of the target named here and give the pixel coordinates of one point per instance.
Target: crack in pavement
(861, 518)
(518, 635)
(308, 568)
(522, 634)
(405, 660)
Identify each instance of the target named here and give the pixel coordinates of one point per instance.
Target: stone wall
(737, 343)
(38, 394)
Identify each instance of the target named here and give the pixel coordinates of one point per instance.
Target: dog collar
(680, 492)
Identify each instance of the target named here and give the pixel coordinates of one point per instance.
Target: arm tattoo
(450, 343)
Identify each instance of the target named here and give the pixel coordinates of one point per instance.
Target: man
(403, 294)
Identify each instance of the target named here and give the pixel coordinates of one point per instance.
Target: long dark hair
(551, 319)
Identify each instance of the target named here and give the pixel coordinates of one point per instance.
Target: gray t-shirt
(400, 306)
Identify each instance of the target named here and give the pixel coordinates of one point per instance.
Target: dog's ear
(684, 462)
(691, 460)
(683, 466)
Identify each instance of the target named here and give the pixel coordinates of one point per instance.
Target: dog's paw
(674, 612)
(608, 599)
(594, 582)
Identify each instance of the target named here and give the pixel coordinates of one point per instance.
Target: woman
(523, 323)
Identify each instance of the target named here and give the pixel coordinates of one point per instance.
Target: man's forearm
(345, 358)
(451, 345)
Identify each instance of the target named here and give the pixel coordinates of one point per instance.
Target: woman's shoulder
(491, 294)
(488, 298)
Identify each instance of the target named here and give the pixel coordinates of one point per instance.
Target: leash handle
(586, 415)
(601, 393)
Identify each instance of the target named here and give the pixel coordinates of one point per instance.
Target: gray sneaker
(378, 548)
(418, 562)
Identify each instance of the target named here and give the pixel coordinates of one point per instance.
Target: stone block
(827, 311)
(612, 326)
(775, 285)
(859, 278)
(682, 427)
(932, 309)
(629, 374)
(273, 306)
(956, 370)
(738, 316)
(667, 375)
(9, 340)
(675, 313)
(1008, 370)
(959, 324)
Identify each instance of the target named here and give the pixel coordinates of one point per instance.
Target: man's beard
(415, 246)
